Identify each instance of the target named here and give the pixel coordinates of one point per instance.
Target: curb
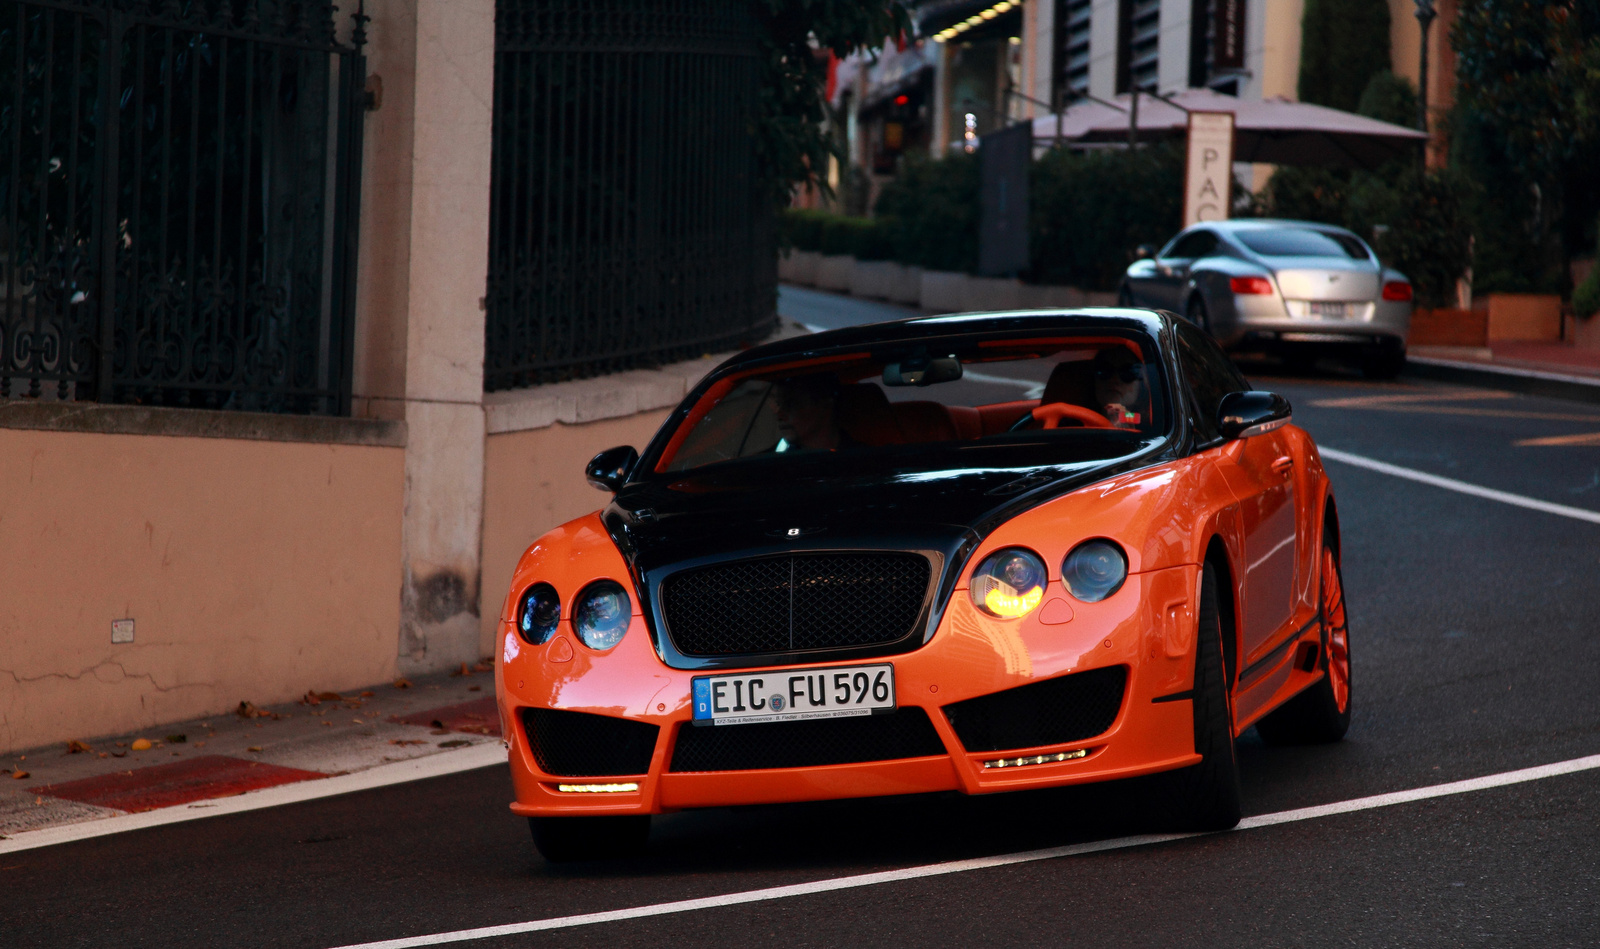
(1553, 385)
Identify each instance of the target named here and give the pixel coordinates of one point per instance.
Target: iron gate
(178, 202)
(627, 226)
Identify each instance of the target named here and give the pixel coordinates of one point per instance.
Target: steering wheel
(1051, 415)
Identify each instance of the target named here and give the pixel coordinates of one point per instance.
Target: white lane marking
(1451, 484)
(1539, 772)
(416, 769)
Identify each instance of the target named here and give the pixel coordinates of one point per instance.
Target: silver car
(1295, 288)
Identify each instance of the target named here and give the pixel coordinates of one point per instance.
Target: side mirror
(1144, 252)
(1242, 414)
(609, 470)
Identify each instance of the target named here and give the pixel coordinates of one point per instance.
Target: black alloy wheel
(1208, 796)
(565, 839)
(1195, 312)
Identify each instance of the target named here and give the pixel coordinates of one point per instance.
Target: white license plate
(1329, 311)
(786, 696)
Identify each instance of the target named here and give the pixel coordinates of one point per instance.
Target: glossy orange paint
(1166, 517)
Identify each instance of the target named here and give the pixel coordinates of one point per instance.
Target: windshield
(1302, 242)
(1068, 389)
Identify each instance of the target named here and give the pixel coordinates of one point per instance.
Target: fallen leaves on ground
(407, 741)
(74, 747)
(177, 739)
(483, 665)
(368, 694)
(313, 697)
(474, 688)
(19, 775)
(454, 743)
(140, 744)
(253, 748)
(249, 710)
(463, 671)
(402, 683)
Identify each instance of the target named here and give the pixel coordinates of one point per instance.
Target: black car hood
(901, 502)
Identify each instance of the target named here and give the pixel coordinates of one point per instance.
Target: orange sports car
(980, 553)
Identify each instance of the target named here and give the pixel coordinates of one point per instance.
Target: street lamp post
(1425, 14)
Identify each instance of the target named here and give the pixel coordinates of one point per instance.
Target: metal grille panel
(627, 223)
(906, 733)
(802, 602)
(1063, 709)
(177, 204)
(580, 745)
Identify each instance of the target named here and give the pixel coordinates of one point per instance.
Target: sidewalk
(248, 749)
(1557, 370)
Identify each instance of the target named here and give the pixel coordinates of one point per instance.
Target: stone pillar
(425, 248)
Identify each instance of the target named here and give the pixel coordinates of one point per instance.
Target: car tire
(1195, 312)
(565, 839)
(1321, 713)
(1383, 360)
(1208, 796)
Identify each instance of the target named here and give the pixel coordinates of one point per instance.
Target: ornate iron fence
(178, 202)
(627, 225)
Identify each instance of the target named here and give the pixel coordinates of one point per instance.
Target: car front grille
(580, 745)
(906, 733)
(1063, 709)
(794, 603)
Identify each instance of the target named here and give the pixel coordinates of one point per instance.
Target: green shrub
(858, 237)
(1090, 210)
(1308, 194)
(1426, 233)
(1389, 98)
(929, 213)
(1586, 296)
(801, 228)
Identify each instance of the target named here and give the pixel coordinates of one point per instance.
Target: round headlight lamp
(1009, 583)
(602, 614)
(538, 612)
(1094, 570)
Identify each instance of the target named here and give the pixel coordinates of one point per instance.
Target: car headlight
(538, 612)
(1094, 570)
(602, 614)
(1009, 583)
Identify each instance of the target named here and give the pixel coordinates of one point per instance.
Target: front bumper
(1147, 627)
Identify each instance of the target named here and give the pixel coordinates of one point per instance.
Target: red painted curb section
(167, 785)
(481, 717)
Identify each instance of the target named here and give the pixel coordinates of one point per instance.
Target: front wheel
(1208, 796)
(564, 839)
(1321, 713)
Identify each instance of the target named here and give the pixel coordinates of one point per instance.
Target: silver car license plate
(750, 697)
(1329, 310)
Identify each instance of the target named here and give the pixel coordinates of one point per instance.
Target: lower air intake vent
(580, 745)
(906, 733)
(1067, 708)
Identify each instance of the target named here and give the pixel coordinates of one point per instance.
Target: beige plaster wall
(254, 570)
(533, 481)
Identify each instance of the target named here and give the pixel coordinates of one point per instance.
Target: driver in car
(1119, 387)
(804, 406)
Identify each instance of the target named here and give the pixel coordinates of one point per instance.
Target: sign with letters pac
(1208, 174)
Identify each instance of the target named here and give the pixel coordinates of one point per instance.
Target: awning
(1273, 130)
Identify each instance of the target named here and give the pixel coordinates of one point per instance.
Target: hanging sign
(1227, 49)
(1208, 173)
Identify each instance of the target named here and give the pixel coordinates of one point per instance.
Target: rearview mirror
(609, 470)
(1243, 414)
(922, 371)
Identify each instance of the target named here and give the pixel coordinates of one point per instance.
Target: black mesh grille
(580, 745)
(906, 733)
(1067, 708)
(808, 601)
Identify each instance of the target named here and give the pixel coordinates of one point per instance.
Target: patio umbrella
(1272, 130)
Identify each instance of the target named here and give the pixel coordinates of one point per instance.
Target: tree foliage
(792, 144)
(1389, 98)
(1090, 210)
(1342, 44)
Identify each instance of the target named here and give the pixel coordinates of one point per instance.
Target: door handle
(1283, 465)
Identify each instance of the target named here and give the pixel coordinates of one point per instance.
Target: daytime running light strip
(944, 36)
(597, 788)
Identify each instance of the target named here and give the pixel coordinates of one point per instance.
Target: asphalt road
(1475, 649)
